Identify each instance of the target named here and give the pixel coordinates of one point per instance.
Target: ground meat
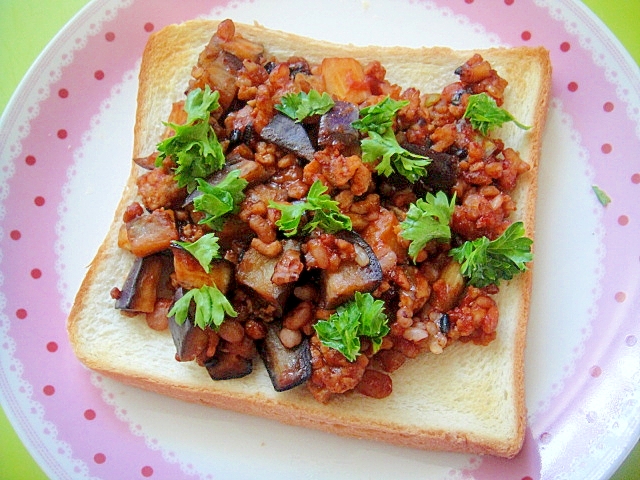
(288, 268)
(337, 169)
(254, 210)
(159, 189)
(332, 372)
(482, 213)
(326, 252)
(476, 317)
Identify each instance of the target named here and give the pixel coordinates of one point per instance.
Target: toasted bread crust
(468, 399)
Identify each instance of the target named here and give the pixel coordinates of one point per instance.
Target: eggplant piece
(335, 125)
(152, 233)
(226, 366)
(190, 274)
(255, 271)
(290, 135)
(141, 287)
(352, 276)
(441, 172)
(188, 338)
(451, 285)
(287, 367)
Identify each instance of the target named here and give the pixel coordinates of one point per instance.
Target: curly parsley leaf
(393, 158)
(327, 215)
(378, 118)
(205, 249)
(485, 262)
(194, 147)
(290, 216)
(484, 114)
(362, 316)
(325, 210)
(211, 307)
(299, 106)
(218, 200)
(200, 103)
(381, 143)
(427, 219)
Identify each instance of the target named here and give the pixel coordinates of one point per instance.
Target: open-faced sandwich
(332, 236)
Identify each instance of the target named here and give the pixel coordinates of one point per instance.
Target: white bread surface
(468, 399)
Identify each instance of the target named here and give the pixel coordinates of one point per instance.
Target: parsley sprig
(194, 147)
(216, 201)
(427, 219)
(484, 114)
(485, 262)
(379, 117)
(393, 158)
(381, 144)
(326, 213)
(299, 106)
(211, 307)
(362, 316)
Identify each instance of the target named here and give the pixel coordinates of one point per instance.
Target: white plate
(65, 146)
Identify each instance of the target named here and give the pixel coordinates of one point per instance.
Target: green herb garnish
(211, 307)
(485, 262)
(299, 106)
(205, 249)
(218, 200)
(326, 213)
(602, 196)
(194, 147)
(427, 220)
(379, 117)
(393, 158)
(381, 144)
(485, 115)
(362, 316)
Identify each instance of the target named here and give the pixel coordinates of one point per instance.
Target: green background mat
(26, 26)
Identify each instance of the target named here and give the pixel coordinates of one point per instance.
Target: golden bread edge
(164, 73)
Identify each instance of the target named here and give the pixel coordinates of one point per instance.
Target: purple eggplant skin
(128, 291)
(188, 338)
(227, 366)
(442, 172)
(143, 283)
(290, 135)
(255, 271)
(339, 286)
(287, 367)
(335, 126)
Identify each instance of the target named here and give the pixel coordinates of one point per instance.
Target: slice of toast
(469, 398)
